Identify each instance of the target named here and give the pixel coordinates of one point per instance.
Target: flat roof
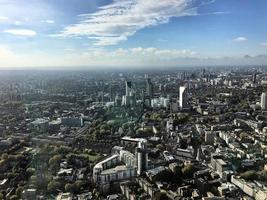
(40, 121)
(133, 139)
(114, 170)
(99, 165)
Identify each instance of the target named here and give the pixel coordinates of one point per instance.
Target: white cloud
(97, 57)
(240, 39)
(3, 18)
(134, 57)
(264, 44)
(140, 53)
(114, 23)
(49, 21)
(18, 23)
(162, 54)
(21, 32)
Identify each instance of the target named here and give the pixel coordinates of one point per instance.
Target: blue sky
(135, 33)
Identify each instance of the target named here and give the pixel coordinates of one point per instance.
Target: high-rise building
(264, 101)
(182, 97)
(184, 76)
(149, 88)
(254, 78)
(129, 99)
(142, 157)
(111, 92)
(128, 89)
(203, 72)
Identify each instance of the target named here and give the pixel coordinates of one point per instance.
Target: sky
(132, 33)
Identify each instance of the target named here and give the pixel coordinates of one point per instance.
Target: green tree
(53, 186)
(64, 150)
(178, 171)
(249, 175)
(78, 185)
(14, 197)
(19, 190)
(55, 160)
(161, 196)
(161, 147)
(71, 158)
(69, 187)
(30, 171)
(243, 136)
(188, 170)
(262, 175)
(214, 190)
(4, 156)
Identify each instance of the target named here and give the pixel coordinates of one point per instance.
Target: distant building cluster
(177, 134)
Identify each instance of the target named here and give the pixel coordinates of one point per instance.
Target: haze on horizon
(128, 33)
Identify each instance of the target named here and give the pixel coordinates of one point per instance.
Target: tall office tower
(142, 157)
(182, 97)
(111, 92)
(129, 99)
(102, 98)
(184, 76)
(128, 88)
(203, 72)
(149, 88)
(264, 101)
(254, 78)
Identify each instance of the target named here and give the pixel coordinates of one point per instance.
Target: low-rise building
(64, 196)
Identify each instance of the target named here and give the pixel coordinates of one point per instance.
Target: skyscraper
(149, 88)
(149, 94)
(128, 85)
(182, 97)
(129, 99)
(254, 78)
(142, 157)
(203, 73)
(264, 101)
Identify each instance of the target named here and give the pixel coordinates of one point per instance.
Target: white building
(64, 196)
(185, 153)
(103, 165)
(182, 97)
(160, 102)
(122, 164)
(250, 188)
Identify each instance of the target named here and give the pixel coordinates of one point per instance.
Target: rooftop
(115, 170)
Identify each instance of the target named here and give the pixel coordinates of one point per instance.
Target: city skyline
(46, 33)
